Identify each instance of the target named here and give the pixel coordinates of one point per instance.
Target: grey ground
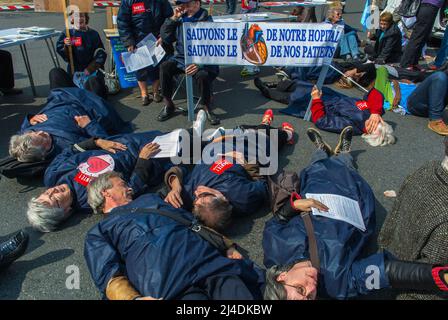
(41, 272)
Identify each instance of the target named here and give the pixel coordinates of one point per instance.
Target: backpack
(11, 168)
(408, 8)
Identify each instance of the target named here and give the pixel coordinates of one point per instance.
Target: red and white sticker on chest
(138, 8)
(93, 167)
(220, 166)
(362, 105)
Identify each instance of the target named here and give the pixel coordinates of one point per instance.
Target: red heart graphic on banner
(96, 164)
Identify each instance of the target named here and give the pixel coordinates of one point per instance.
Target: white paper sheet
(341, 208)
(139, 59)
(169, 144)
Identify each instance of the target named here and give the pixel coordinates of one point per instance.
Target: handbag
(408, 8)
(111, 82)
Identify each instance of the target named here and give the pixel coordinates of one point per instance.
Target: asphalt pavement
(42, 273)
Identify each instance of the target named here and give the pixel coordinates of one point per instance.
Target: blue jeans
(349, 44)
(442, 55)
(345, 158)
(428, 99)
(231, 6)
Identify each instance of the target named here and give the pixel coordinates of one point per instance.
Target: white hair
(95, 189)
(43, 217)
(22, 148)
(445, 163)
(384, 138)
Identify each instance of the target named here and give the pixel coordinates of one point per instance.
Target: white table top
(281, 4)
(12, 37)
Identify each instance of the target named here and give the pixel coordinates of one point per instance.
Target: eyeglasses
(301, 290)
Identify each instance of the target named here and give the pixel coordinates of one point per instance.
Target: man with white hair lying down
(69, 174)
(71, 115)
(181, 260)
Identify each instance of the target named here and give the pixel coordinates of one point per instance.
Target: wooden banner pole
(67, 32)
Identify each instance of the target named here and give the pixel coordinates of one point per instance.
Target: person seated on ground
(416, 228)
(88, 57)
(184, 264)
(387, 47)
(348, 44)
(7, 72)
(70, 116)
(365, 116)
(426, 99)
(172, 31)
(12, 249)
(70, 172)
(332, 262)
(232, 182)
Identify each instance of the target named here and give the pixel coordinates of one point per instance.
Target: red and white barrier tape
(97, 4)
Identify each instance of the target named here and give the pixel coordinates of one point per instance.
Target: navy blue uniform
(164, 259)
(137, 19)
(77, 168)
(340, 245)
(61, 108)
(86, 45)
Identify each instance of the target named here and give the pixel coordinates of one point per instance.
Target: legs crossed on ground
(428, 100)
(280, 93)
(349, 45)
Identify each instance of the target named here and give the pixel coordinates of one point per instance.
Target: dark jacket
(343, 269)
(138, 18)
(388, 49)
(164, 259)
(87, 48)
(172, 31)
(61, 108)
(76, 168)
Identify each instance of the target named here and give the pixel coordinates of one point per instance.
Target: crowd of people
(172, 245)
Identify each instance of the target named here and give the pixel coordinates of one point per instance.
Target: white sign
(341, 208)
(169, 144)
(139, 59)
(264, 43)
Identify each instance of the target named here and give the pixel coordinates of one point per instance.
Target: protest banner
(260, 44)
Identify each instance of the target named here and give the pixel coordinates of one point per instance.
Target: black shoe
(165, 113)
(13, 248)
(157, 97)
(145, 101)
(261, 86)
(318, 141)
(11, 91)
(345, 141)
(213, 118)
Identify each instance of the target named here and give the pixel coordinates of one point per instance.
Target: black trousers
(426, 16)
(203, 78)
(59, 78)
(6, 70)
(282, 92)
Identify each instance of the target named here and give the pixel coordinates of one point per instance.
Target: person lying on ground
(70, 116)
(329, 260)
(70, 173)
(232, 183)
(183, 260)
(365, 116)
